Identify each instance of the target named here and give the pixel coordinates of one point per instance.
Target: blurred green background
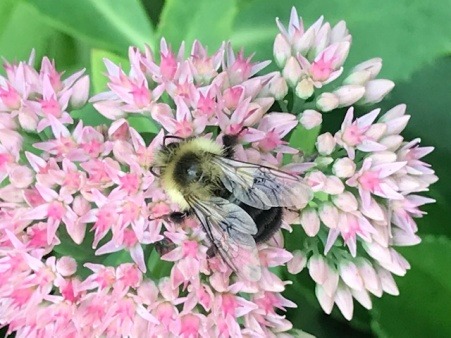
(414, 39)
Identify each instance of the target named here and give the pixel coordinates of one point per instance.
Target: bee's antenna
(153, 172)
(243, 129)
(170, 136)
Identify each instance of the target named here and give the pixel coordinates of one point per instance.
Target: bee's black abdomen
(267, 221)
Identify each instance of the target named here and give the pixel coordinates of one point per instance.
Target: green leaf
(304, 139)
(90, 116)
(156, 267)
(423, 307)
(209, 21)
(99, 78)
(17, 39)
(113, 25)
(6, 9)
(406, 34)
(143, 124)
(117, 258)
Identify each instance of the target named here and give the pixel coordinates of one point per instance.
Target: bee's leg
(212, 251)
(230, 141)
(178, 217)
(164, 246)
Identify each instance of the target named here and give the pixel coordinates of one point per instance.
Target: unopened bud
(318, 268)
(349, 94)
(375, 90)
(333, 186)
(292, 71)
(373, 66)
(310, 221)
(282, 50)
(80, 92)
(327, 102)
(28, 120)
(325, 143)
(358, 78)
(328, 214)
(304, 89)
(297, 263)
(344, 167)
(310, 119)
(278, 88)
(346, 201)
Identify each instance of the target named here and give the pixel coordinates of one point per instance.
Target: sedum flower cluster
(85, 249)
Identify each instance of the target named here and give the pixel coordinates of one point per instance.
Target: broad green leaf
(143, 124)
(98, 76)
(22, 29)
(406, 34)
(209, 21)
(156, 267)
(6, 9)
(423, 307)
(113, 25)
(304, 139)
(116, 258)
(81, 252)
(90, 116)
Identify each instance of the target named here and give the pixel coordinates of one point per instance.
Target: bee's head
(189, 169)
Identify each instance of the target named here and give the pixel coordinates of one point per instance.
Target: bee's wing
(230, 230)
(262, 187)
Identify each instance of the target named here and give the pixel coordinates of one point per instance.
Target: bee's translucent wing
(230, 230)
(262, 187)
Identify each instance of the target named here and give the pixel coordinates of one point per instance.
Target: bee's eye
(193, 172)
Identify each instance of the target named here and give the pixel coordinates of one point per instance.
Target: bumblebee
(238, 204)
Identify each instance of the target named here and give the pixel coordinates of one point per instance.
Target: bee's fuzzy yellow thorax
(170, 157)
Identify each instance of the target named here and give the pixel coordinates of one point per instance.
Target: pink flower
(375, 179)
(358, 134)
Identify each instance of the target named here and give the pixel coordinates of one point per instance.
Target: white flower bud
(328, 214)
(358, 78)
(21, 176)
(334, 185)
(325, 143)
(297, 263)
(278, 88)
(363, 298)
(346, 201)
(80, 92)
(392, 142)
(66, 266)
(387, 281)
(376, 131)
(318, 269)
(327, 102)
(326, 302)
(350, 275)
(375, 90)
(310, 221)
(349, 94)
(310, 119)
(292, 71)
(282, 50)
(373, 66)
(344, 167)
(304, 89)
(343, 299)
(28, 120)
